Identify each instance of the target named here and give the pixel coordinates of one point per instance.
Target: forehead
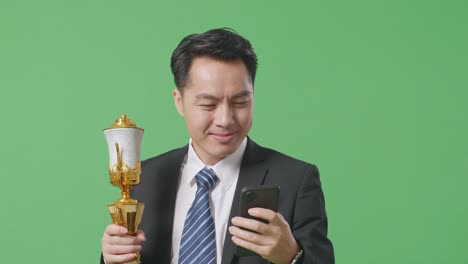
(217, 77)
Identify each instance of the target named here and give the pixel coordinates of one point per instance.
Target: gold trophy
(124, 140)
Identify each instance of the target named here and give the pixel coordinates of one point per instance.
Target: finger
(249, 236)
(250, 224)
(122, 240)
(248, 245)
(119, 258)
(115, 230)
(120, 249)
(141, 235)
(263, 213)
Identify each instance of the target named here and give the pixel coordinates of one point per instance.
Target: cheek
(245, 118)
(247, 115)
(198, 122)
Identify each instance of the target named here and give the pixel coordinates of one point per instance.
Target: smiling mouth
(223, 138)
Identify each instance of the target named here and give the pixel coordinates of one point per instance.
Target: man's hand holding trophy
(121, 240)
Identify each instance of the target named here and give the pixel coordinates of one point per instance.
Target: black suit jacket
(301, 203)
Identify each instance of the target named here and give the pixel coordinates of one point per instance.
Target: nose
(224, 116)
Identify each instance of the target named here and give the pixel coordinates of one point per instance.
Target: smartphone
(257, 196)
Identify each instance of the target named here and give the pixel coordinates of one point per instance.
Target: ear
(178, 101)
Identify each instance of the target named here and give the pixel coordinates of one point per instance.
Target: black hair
(221, 44)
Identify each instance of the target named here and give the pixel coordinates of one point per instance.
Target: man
(191, 194)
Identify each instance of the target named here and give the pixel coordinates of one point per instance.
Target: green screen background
(373, 92)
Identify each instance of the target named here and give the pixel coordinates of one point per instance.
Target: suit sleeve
(310, 220)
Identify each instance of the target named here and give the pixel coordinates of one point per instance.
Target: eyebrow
(212, 97)
(242, 94)
(206, 96)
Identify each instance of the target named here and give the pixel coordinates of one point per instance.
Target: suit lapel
(252, 172)
(162, 216)
(173, 166)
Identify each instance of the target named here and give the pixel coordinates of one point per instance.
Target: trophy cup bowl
(124, 140)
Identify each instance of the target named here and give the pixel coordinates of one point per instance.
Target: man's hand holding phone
(260, 228)
(273, 241)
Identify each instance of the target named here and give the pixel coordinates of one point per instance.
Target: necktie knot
(206, 178)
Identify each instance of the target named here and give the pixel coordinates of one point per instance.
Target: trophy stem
(126, 199)
(125, 192)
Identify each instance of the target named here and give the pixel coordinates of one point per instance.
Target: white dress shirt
(221, 195)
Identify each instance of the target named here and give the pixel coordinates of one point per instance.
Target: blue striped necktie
(198, 242)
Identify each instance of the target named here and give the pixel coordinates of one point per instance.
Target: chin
(224, 151)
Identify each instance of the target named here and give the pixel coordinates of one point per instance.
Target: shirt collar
(226, 169)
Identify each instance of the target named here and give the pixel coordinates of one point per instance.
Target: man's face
(217, 105)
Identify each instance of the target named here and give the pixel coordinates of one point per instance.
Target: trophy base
(127, 215)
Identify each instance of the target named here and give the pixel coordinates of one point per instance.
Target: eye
(207, 106)
(240, 104)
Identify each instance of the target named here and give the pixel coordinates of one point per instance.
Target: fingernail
(252, 211)
(123, 230)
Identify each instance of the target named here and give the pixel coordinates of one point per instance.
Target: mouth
(223, 137)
